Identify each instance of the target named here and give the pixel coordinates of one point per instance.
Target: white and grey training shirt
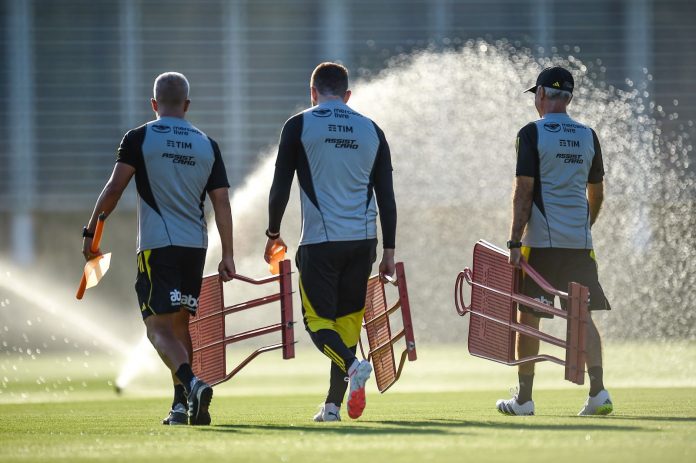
(563, 156)
(175, 165)
(342, 161)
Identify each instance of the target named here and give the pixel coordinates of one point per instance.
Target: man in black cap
(558, 193)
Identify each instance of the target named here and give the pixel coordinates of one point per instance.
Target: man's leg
(594, 358)
(526, 347)
(162, 334)
(178, 414)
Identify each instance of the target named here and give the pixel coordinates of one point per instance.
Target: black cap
(555, 77)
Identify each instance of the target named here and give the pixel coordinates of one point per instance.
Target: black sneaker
(198, 402)
(177, 415)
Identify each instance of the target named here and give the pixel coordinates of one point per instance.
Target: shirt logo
(342, 143)
(552, 127)
(161, 128)
(321, 113)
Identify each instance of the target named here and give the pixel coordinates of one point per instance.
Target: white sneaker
(358, 373)
(598, 405)
(511, 407)
(328, 412)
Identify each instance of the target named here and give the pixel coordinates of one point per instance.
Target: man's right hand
(226, 268)
(515, 256)
(269, 247)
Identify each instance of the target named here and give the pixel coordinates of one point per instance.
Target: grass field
(441, 410)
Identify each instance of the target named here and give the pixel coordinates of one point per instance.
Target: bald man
(175, 165)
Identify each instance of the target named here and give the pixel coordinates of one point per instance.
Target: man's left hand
(515, 257)
(387, 267)
(87, 252)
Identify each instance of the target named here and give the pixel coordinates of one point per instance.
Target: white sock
(353, 367)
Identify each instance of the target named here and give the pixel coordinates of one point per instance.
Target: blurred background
(77, 74)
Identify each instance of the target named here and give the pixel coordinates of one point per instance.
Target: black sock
(338, 383)
(330, 344)
(179, 395)
(525, 392)
(185, 375)
(596, 375)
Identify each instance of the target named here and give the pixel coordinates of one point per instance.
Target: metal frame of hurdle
(208, 326)
(380, 339)
(493, 323)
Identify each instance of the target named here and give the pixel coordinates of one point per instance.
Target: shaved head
(171, 89)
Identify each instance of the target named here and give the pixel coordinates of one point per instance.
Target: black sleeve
(384, 190)
(286, 163)
(527, 151)
(596, 174)
(218, 174)
(129, 152)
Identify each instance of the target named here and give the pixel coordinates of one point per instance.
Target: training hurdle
(493, 324)
(208, 326)
(380, 339)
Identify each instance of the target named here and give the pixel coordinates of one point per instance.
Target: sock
(185, 375)
(179, 395)
(596, 380)
(525, 392)
(338, 384)
(331, 345)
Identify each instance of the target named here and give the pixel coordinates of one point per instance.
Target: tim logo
(321, 113)
(552, 127)
(161, 128)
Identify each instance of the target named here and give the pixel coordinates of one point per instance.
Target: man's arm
(521, 209)
(108, 199)
(285, 166)
(595, 197)
(220, 200)
(384, 192)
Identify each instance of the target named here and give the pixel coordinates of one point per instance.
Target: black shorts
(333, 284)
(560, 267)
(169, 278)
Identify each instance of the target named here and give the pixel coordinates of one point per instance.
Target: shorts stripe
(146, 255)
(314, 321)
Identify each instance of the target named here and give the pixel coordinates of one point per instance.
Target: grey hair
(556, 94)
(171, 89)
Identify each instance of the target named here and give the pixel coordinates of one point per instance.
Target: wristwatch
(272, 236)
(86, 233)
(514, 244)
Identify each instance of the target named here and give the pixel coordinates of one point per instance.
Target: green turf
(455, 422)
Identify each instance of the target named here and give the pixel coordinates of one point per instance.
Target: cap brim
(531, 89)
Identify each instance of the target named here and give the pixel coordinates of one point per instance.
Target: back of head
(171, 90)
(330, 79)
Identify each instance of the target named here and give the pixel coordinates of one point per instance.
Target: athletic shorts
(333, 285)
(559, 267)
(168, 279)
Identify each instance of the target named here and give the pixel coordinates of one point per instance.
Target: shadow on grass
(421, 427)
(673, 419)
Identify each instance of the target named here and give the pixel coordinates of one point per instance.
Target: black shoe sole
(202, 417)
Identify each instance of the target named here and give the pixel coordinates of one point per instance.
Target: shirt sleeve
(527, 151)
(384, 191)
(596, 174)
(127, 152)
(218, 174)
(285, 166)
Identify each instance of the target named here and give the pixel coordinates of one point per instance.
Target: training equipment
(493, 325)
(177, 415)
(277, 256)
(97, 267)
(598, 405)
(328, 412)
(380, 340)
(199, 399)
(356, 392)
(511, 407)
(208, 326)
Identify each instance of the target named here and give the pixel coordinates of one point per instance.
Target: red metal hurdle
(378, 329)
(493, 323)
(208, 326)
